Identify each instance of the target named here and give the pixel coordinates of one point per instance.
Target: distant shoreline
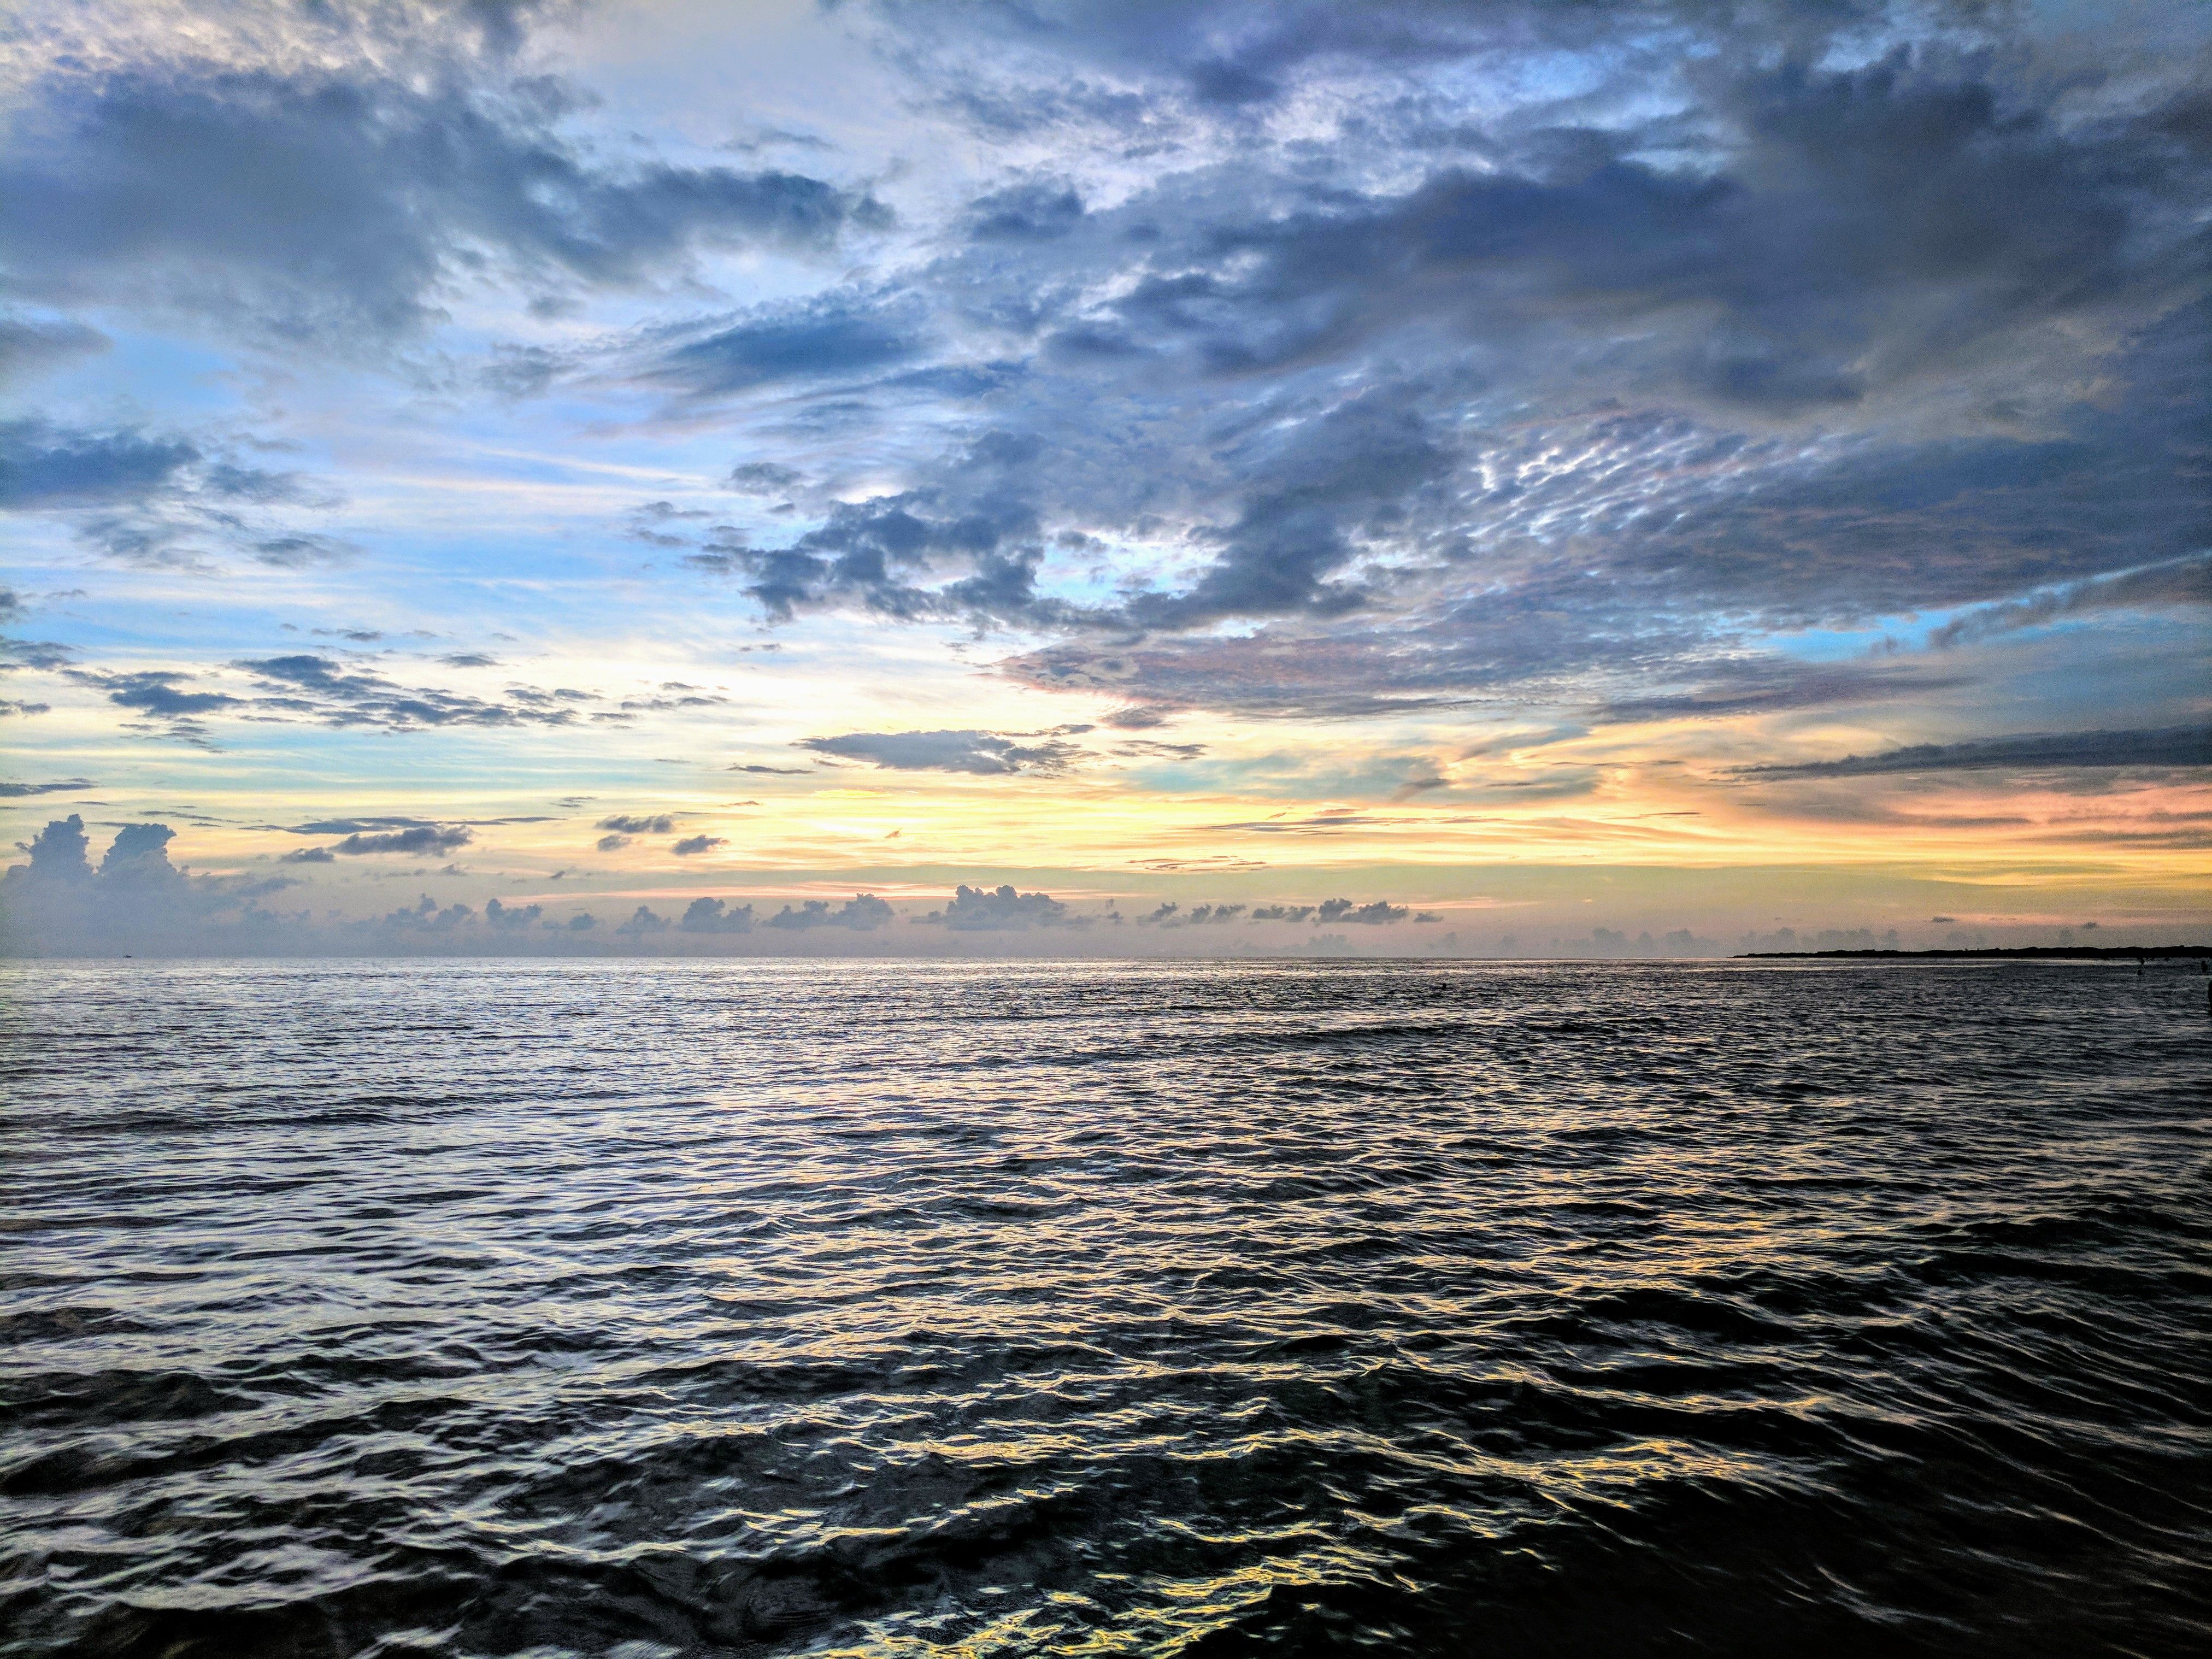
(2012, 952)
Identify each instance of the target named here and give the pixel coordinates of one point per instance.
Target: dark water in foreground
(404, 1308)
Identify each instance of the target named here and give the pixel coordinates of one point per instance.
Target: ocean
(649, 1307)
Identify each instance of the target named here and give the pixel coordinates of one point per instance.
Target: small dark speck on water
(1206, 1309)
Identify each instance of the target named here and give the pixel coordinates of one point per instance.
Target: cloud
(42, 467)
(1352, 471)
(157, 692)
(2172, 583)
(29, 345)
(863, 912)
(425, 916)
(1566, 404)
(58, 903)
(32, 654)
(1376, 914)
(691, 844)
(354, 825)
(57, 852)
(1558, 365)
(1171, 914)
(611, 843)
(1330, 821)
(330, 692)
(711, 915)
(59, 786)
(1037, 210)
(976, 910)
(822, 340)
(643, 924)
(2163, 747)
(979, 754)
(764, 479)
(150, 498)
(425, 839)
(375, 836)
(305, 197)
(326, 691)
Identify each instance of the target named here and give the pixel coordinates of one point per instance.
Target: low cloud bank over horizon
(58, 903)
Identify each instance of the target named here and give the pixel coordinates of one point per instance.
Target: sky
(1525, 478)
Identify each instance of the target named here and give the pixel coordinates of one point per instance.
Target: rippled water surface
(875, 1309)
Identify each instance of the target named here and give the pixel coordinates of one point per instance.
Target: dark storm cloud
(1000, 910)
(863, 912)
(2164, 747)
(343, 202)
(981, 754)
